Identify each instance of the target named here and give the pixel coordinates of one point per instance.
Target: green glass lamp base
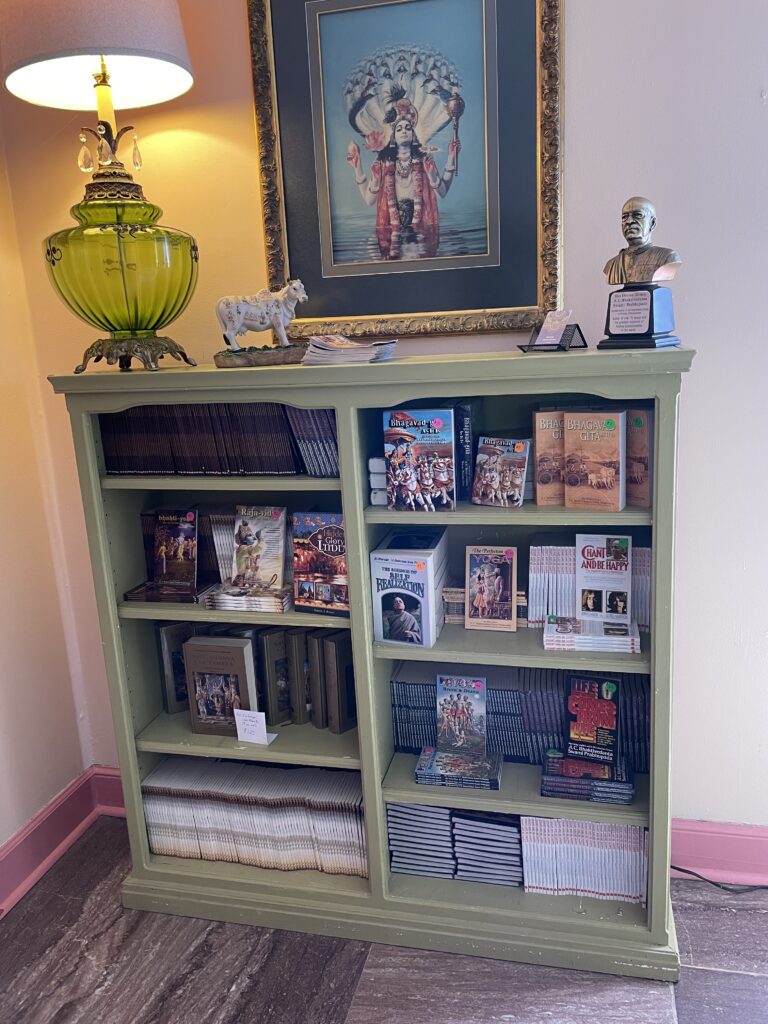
(123, 346)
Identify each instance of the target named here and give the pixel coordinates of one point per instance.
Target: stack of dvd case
(568, 778)
(438, 768)
(487, 847)
(420, 840)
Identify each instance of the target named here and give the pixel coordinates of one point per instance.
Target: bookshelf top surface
(459, 368)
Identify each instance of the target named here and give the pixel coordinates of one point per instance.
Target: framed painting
(410, 161)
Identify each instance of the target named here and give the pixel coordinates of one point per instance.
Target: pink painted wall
(39, 737)
(673, 107)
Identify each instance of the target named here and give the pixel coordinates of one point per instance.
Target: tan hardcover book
(340, 681)
(491, 589)
(298, 674)
(274, 664)
(595, 460)
(220, 679)
(549, 448)
(318, 713)
(640, 457)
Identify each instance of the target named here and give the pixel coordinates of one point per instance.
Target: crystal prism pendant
(105, 154)
(84, 158)
(136, 153)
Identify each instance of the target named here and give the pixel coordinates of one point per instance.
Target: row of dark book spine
(292, 675)
(220, 439)
(525, 711)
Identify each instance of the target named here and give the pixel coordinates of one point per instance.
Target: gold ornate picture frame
(432, 239)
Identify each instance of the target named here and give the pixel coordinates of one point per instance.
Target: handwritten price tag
(252, 727)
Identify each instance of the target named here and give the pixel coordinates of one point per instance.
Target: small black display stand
(571, 338)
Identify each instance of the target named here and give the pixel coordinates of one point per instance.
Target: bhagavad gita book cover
(595, 460)
(549, 451)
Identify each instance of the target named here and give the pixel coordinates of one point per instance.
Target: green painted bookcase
(448, 915)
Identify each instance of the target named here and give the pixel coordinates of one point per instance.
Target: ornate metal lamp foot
(122, 350)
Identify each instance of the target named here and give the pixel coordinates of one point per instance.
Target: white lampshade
(52, 48)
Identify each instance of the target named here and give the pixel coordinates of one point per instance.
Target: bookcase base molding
(444, 914)
(392, 925)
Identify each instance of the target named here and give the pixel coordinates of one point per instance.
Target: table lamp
(118, 270)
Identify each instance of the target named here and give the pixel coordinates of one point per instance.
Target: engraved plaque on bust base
(640, 316)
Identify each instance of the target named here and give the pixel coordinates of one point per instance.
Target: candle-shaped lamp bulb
(106, 110)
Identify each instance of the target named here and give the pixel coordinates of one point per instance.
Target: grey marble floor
(70, 954)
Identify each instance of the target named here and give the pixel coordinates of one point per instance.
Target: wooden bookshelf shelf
(238, 484)
(167, 611)
(467, 514)
(445, 915)
(295, 744)
(525, 648)
(519, 794)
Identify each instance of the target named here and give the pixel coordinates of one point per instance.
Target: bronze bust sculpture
(641, 262)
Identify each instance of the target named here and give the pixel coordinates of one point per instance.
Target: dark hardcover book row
(220, 439)
(525, 721)
(300, 675)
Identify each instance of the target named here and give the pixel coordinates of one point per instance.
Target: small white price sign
(252, 727)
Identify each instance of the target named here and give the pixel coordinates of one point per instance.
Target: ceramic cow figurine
(238, 314)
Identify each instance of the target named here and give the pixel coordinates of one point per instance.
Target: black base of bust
(640, 341)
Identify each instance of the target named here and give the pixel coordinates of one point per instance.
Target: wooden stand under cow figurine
(238, 314)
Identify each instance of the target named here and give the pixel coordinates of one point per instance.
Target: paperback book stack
(251, 548)
(487, 847)
(566, 634)
(460, 758)
(575, 779)
(420, 840)
(455, 602)
(331, 349)
(585, 858)
(408, 572)
(438, 768)
(552, 584)
(172, 559)
(288, 819)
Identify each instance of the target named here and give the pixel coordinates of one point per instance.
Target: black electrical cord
(735, 890)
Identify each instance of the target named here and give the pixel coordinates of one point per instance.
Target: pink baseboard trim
(721, 851)
(25, 857)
